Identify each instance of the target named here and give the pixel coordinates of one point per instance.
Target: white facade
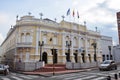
(105, 43)
(116, 52)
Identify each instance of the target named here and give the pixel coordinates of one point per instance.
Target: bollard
(119, 75)
(108, 77)
(116, 77)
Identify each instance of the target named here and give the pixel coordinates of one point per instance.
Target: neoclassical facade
(22, 42)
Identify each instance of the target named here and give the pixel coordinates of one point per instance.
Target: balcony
(24, 44)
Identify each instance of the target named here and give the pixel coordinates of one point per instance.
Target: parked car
(3, 70)
(108, 65)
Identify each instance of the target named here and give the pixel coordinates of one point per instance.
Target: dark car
(3, 69)
(108, 65)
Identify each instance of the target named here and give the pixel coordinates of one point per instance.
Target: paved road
(87, 75)
(17, 76)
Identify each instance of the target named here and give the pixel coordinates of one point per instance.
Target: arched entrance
(44, 57)
(67, 57)
(75, 57)
(55, 58)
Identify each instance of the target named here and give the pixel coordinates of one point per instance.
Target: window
(27, 56)
(45, 39)
(55, 40)
(21, 57)
(82, 42)
(75, 42)
(22, 37)
(28, 38)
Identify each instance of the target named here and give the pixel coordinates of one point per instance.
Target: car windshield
(1, 66)
(106, 62)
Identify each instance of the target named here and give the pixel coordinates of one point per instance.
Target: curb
(51, 74)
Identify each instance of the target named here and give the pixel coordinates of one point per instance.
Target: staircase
(49, 68)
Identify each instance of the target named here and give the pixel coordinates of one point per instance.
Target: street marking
(26, 77)
(86, 78)
(16, 78)
(100, 78)
(75, 77)
(5, 78)
(33, 76)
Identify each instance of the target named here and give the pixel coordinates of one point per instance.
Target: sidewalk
(47, 74)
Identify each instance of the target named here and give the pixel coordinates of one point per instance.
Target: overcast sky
(96, 13)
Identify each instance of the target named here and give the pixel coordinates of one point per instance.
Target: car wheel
(115, 67)
(100, 70)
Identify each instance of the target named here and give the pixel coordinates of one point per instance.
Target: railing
(24, 44)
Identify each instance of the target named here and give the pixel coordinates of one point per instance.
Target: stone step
(56, 65)
(49, 68)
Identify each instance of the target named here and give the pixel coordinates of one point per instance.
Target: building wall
(116, 52)
(22, 44)
(118, 22)
(105, 43)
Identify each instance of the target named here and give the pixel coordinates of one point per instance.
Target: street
(86, 75)
(17, 76)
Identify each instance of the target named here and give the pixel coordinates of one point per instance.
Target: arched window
(66, 39)
(107, 57)
(28, 37)
(55, 40)
(88, 41)
(89, 57)
(45, 39)
(82, 42)
(21, 56)
(22, 37)
(27, 56)
(75, 41)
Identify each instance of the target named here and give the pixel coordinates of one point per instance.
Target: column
(86, 49)
(63, 48)
(71, 50)
(98, 55)
(37, 39)
(79, 52)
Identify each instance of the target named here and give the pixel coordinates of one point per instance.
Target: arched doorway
(75, 57)
(55, 58)
(44, 57)
(67, 57)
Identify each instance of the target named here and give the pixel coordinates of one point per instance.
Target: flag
(78, 14)
(73, 13)
(68, 12)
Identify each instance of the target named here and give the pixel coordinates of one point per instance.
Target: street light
(68, 44)
(41, 14)
(53, 53)
(109, 47)
(41, 44)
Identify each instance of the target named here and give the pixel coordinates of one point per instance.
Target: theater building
(22, 42)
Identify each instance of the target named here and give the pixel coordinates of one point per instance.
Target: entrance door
(75, 57)
(44, 57)
(66, 56)
(55, 58)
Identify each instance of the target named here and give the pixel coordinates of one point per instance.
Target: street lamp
(41, 44)
(94, 46)
(109, 47)
(68, 44)
(41, 14)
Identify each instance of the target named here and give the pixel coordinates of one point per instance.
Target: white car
(108, 65)
(3, 69)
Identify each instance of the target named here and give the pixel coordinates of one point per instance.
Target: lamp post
(68, 44)
(41, 44)
(109, 47)
(53, 53)
(41, 14)
(94, 44)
